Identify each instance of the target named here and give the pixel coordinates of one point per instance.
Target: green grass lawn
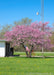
(35, 53)
(26, 66)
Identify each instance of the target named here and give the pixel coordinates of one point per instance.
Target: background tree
(4, 29)
(52, 37)
(23, 21)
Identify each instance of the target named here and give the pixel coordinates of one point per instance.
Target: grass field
(36, 53)
(26, 66)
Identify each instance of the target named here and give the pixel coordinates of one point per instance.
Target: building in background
(5, 49)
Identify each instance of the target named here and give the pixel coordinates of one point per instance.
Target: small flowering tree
(35, 35)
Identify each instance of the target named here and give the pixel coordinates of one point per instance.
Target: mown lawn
(26, 66)
(36, 53)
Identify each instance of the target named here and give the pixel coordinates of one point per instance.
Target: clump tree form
(4, 29)
(35, 35)
(23, 21)
(52, 37)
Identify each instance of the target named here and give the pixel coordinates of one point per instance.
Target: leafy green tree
(4, 29)
(23, 21)
(52, 37)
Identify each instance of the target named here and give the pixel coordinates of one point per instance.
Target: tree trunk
(30, 53)
(25, 49)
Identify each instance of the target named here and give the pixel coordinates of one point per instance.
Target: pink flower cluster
(37, 34)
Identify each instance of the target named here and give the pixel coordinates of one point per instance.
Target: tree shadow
(39, 57)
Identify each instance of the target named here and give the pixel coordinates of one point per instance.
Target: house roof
(3, 40)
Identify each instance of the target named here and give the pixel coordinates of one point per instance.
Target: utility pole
(42, 11)
(42, 19)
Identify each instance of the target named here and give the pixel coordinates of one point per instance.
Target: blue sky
(14, 10)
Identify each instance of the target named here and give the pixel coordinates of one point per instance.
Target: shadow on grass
(39, 57)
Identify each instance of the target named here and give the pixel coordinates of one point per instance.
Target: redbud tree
(35, 35)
